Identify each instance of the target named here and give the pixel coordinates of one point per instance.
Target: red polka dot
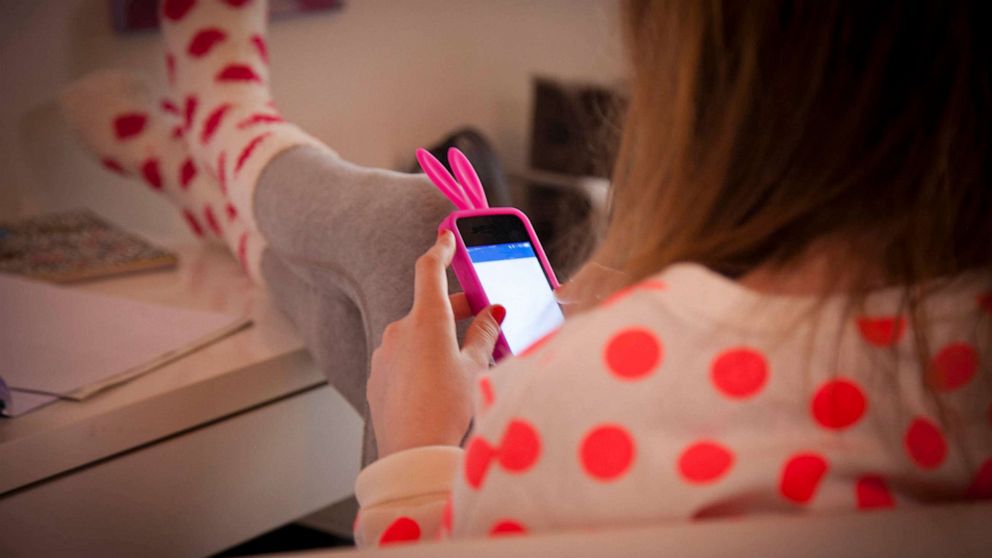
(222, 172)
(259, 43)
(507, 527)
(520, 447)
(801, 477)
(232, 212)
(705, 462)
(177, 132)
(170, 68)
(478, 456)
(536, 345)
(238, 72)
(981, 486)
(486, 391)
(882, 331)
(259, 118)
(212, 122)
(872, 492)
(189, 110)
(447, 515)
(194, 225)
(204, 41)
(248, 149)
(954, 366)
(632, 353)
(150, 170)
(176, 9)
(243, 252)
(208, 214)
(739, 373)
(169, 107)
(113, 165)
(607, 452)
(126, 126)
(652, 285)
(838, 404)
(403, 529)
(925, 444)
(187, 173)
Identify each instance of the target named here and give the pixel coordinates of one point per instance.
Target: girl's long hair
(755, 129)
(758, 129)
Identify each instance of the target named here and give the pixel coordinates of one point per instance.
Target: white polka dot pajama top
(688, 396)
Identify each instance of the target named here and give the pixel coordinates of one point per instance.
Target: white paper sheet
(24, 401)
(72, 344)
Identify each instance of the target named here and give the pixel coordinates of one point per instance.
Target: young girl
(803, 212)
(800, 221)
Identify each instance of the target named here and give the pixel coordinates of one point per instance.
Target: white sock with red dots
(133, 134)
(217, 65)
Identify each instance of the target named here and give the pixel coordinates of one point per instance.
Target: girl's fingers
(482, 334)
(459, 305)
(430, 289)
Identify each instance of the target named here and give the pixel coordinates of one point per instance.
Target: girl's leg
(336, 242)
(217, 65)
(345, 230)
(138, 134)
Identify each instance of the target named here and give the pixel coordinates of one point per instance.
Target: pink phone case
(465, 271)
(467, 194)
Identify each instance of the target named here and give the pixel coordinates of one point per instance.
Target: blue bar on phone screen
(508, 251)
(512, 276)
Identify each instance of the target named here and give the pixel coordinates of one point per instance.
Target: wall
(374, 81)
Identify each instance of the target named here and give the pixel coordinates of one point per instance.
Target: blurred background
(374, 79)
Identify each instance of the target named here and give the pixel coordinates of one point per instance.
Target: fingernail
(499, 312)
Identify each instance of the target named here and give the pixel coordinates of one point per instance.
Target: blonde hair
(755, 129)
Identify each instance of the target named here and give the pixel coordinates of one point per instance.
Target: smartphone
(498, 260)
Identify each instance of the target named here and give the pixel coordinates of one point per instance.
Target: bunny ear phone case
(498, 259)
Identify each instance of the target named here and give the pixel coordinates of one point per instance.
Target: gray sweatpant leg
(342, 242)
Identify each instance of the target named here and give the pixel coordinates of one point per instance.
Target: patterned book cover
(75, 246)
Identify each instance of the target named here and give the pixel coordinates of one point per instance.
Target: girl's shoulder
(687, 395)
(689, 330)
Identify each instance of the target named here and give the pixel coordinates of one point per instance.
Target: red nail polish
(499, 312)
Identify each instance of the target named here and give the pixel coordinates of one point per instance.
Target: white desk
(224, 444)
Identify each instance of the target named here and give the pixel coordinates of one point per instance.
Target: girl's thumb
(482, 334)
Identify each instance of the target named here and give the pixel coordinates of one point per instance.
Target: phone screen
(508, 268)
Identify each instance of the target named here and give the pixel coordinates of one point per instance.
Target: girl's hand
(419, 388)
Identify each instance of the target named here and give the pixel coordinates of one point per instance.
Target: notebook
(75, 246)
